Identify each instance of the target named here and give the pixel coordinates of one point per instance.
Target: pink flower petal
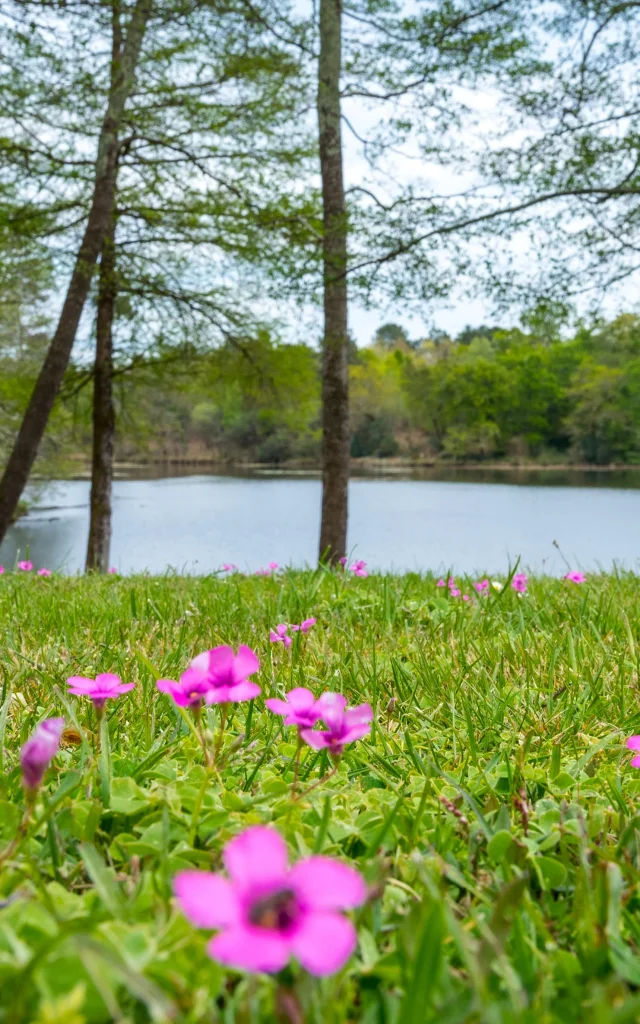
(219, 661)
(245, 663)
(300, 698)
(250, 949)
(257, 856)
(635, 761)
(243, 691)
(331, 706)
(355, 716)
(633, 743)
(323, 883)
(279, 707)
(219, 695)
(207, 900)
(316, 738)
(80, 684)
(324, 943)
(356, 732)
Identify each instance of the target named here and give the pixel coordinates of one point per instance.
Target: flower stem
(310, 789)
(223, 722)
(296, 770)
(20, 834)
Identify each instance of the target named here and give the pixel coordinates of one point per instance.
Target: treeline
(490, 393)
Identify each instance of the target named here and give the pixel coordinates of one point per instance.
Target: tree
(34, 423)
(335, 341)
(202, 189)
(571, 182)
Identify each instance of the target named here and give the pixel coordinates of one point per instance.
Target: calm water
(468, 522)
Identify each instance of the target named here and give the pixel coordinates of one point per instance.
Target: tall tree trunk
(104, 420)
(335, 368)
(56, 361)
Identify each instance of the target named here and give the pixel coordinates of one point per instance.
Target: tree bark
(335, 368)
(104, 420)
(56, 361)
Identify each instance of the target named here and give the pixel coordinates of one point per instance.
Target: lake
(467, 521)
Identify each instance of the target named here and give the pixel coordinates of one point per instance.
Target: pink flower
(273, 566)
(465, 597)
(482, 585)
(344, 725)
(576, 577)
(451, 582)
(100, 689)
(304, 627)
(187, 693)
(633, 743)
(38, 751)
(359, 568)
(267, 912)
(25, 566)
(299, 708)
(441, 583)
(225, 674)
(519, 582)
(229, 567)
(455, 592)
(343, 561)
(113, 571)
(1, 569)
(279, 635)
(44, 572)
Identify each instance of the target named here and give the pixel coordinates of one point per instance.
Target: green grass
(492, 810)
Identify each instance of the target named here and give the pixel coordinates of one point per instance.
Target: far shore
(390, 466)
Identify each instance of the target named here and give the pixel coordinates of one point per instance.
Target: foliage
(492, 810)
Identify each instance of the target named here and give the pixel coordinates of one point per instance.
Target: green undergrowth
(492, 810)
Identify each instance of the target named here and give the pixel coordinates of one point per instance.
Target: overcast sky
(461, 310)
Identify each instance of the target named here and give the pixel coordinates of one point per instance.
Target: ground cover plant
(477, 827)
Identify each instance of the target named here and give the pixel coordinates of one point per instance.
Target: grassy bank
(492, 809)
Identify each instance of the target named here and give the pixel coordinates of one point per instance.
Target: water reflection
(194, 522)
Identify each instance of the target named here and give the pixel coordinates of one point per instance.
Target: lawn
(491, 810)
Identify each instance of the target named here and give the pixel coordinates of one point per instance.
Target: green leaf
(499, 844)
(552, 872)
(426, 968)
(102, 877)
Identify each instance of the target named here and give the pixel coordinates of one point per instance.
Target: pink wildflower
(273, 566)
(576, 577)
(299, 708)
(465, 597)
(1, 569)
(359, 568)
(304, 626)
(633, 743)
(25, 566)
(441, 583)
(225, 673)
(343, 561)
(267, 912)
(187, 693)
(113, 571)
(451, 582)
(481, 586)
(38, 751)
(455, 592)
(229, 567)
(344, 725)
(44, 572)
(279, 635)
(100, 689)
(519, 582)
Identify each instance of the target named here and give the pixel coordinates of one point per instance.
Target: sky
(408, 166)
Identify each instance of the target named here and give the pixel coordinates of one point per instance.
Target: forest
(520, 395)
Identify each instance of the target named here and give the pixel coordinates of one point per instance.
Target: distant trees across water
(489, 394)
